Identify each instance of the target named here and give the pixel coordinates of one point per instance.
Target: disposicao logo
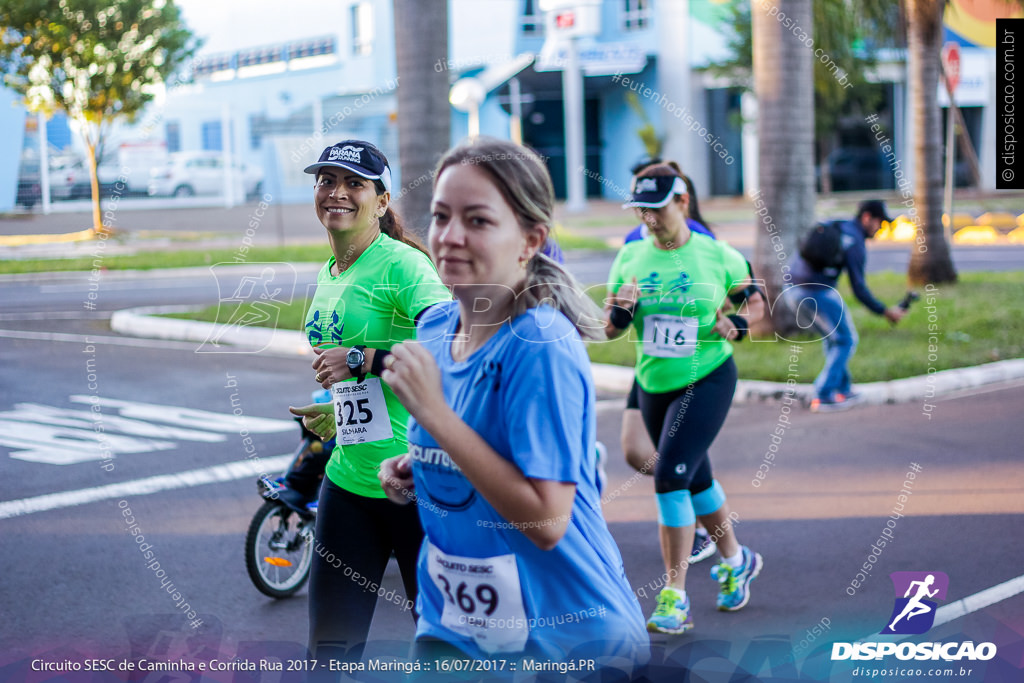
(917, 596)
(914, 611)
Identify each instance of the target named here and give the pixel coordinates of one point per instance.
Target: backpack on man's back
(821, 247)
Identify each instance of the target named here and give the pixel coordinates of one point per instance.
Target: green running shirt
(373, 302)
(680, 292)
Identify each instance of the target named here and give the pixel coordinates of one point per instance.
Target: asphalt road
(77, 586)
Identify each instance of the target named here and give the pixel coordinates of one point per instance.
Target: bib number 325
(361, 412)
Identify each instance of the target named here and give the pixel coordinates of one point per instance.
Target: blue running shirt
(529, 393)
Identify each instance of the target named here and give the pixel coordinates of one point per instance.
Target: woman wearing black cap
(369, 294)
(671, 287)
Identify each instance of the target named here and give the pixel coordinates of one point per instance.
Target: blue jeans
(833, 322)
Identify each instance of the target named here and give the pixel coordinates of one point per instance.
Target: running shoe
(831, 405)
(602, 458)
(672, 615)
(852, 398)
(734, 584)
(703, 548)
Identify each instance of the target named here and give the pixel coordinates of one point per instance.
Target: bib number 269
(485, 596)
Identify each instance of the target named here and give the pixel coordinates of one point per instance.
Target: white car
(188, 174)
(71, 180)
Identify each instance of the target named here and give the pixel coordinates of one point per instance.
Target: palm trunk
(424, 115)
(930, 260)
(784, 85)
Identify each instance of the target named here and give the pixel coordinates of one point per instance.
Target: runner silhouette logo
(917, 596)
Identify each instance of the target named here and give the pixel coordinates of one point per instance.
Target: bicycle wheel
(278, 550)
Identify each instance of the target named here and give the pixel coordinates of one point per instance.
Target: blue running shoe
(734, 584)
(672, 615)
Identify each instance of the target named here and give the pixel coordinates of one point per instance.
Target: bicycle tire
(290, 571)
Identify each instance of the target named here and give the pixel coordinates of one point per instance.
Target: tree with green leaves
(839, 37)
(99, 61)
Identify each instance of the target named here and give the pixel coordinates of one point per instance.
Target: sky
(228, 26)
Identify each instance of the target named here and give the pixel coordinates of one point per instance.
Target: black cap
(654, 192)
(357, 156)
(875, 208)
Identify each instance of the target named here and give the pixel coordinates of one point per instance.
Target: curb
(217, 338)
(923, 388)
(212, 337)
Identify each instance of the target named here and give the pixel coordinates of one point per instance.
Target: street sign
(571, 18)
(951, 64)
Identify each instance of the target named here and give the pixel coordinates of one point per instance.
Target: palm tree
(930, 261)
(424, 115)
(784, 86)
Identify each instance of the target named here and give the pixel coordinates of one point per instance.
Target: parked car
(71, 180)
(201, 173)
(858, 168)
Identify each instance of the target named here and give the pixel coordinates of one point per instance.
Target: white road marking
(141, 487)
(60, 436)
(55, 315)
(94, 339)
(980, 600)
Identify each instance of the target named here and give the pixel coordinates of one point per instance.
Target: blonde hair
(523, 181)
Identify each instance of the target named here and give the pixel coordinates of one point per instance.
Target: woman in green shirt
(369, 294)
(670, 287)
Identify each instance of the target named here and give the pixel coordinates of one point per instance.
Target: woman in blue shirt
(517, 559)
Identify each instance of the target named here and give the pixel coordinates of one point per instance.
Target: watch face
(355, 358)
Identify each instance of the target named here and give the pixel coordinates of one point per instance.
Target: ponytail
(548, 282)
(392, 225)
(694, 206)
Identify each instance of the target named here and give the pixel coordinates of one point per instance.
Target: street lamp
(566, 22)
(467, 94)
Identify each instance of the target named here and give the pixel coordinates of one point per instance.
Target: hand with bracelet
(732, 327)
(746, 297)
(621, 307)
(339, 363)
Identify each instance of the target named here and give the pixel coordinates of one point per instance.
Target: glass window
(636, 14)
(533, 18)
(172, 131)
(362, 28)
(211, 136)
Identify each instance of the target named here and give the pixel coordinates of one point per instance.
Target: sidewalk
(616, 379)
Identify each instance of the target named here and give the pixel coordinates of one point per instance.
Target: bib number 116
(667, 336)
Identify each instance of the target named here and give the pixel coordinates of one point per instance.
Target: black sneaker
(703, 547)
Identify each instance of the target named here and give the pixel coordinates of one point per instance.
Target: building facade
(275, 105)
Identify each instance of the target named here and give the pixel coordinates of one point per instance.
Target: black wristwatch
(355, 360)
